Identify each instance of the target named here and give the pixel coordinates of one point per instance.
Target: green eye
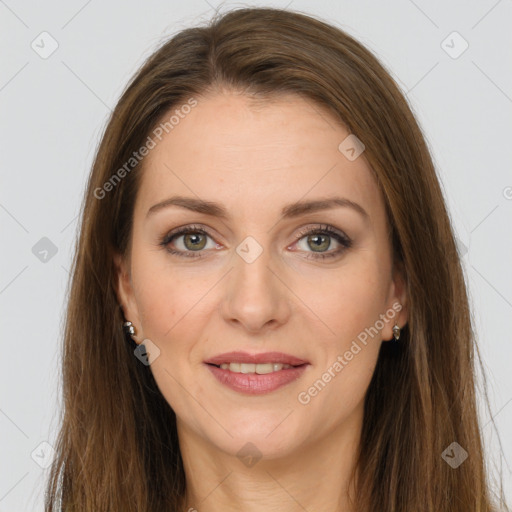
(193, 242)
(193, 239)
(319, 240)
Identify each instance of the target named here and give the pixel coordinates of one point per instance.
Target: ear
(125, 295)
(397, 302)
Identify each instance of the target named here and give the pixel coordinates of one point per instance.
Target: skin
(254, 160)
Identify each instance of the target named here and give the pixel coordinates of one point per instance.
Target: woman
(267, 308)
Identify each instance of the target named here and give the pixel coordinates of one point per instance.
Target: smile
(260, 369)
(246, 379)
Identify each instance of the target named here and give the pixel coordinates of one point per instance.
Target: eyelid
(324, 228)
(186, 228)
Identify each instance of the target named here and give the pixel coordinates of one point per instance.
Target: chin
(268, 437)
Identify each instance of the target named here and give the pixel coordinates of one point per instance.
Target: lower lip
(255, 384)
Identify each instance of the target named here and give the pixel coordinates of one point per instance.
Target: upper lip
(265, 357)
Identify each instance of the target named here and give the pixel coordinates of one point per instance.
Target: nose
(255, 296)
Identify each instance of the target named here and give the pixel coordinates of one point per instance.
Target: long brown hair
(117, 448)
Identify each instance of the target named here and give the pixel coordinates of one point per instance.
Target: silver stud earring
(129, 328)
(396, 332)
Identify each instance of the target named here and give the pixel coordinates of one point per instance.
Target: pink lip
(254, 384)
(266, 357)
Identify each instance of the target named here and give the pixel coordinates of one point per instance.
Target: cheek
(349, 302)
(157, 307)
(167, 297)
(344, 302)
(170, 309)
(347, 359)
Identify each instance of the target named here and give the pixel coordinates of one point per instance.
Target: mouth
(245, 362)
(256, 373)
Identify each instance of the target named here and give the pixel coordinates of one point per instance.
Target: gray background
(53, 111)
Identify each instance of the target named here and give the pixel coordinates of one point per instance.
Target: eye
(320, 239)
(188, 239)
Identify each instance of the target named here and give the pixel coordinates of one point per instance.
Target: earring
(396, 332)
(129, 328)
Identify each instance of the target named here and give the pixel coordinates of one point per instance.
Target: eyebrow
(290, 211)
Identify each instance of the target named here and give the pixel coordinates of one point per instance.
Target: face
(314, 285)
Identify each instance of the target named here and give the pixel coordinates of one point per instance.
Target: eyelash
(324, 229)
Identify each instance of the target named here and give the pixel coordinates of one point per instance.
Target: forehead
(255, 157)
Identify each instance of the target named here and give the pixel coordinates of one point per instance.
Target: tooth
(247, 368)
(261, 369)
